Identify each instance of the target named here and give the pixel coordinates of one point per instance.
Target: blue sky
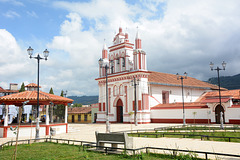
(177, 36)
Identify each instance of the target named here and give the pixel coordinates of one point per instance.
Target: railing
(109, 149)
(146, 149)
(183, 135)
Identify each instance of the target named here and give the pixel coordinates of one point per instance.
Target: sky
(177, 35)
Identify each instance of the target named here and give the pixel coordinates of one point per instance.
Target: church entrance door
(119, 111)
(218, 110)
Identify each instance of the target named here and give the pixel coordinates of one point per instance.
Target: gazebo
(30, 97)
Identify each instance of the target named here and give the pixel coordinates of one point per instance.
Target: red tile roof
(44, 98)
(171, 79)
(1, 90)
(8, 90)
(78, 110)
(210, 96)
(32, 85)
(187, 105)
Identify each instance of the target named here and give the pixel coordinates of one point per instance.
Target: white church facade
(158, 95)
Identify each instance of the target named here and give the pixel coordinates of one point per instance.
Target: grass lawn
(191, 131)
(47, 150)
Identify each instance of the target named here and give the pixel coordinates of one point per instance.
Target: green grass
(196, 130)
(54, 151)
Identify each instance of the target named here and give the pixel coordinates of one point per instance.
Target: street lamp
(219, 87)
(104, 63)
(38, 58)
(182, 77)
(65, 93)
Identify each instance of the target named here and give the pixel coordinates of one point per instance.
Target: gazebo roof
(31, 96)
(32, 85)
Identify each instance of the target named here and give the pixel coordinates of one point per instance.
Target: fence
(184, 135)
(108, 149)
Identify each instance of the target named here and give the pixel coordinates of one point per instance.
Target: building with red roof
(158, 95)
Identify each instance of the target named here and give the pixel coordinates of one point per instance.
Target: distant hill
(229, 82)
(85, 100)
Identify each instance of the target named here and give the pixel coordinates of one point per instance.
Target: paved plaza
(86, 132)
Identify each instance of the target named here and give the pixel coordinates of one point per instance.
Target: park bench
(114, 139)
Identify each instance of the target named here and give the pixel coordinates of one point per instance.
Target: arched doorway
(218, 110)
(119, 111)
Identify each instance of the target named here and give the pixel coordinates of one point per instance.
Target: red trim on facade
(109, 100)
(180, 121)
(155, 99)
(126, 98)
(139, 105)
(179, 107)
(139, 60)
(145, 100)
(235, 106)
(120, 44)
(234, 121)
(120, 47)
(104, 106)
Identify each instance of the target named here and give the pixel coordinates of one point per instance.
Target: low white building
(127, 74)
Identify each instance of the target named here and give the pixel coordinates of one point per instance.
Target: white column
(52, 113)
(47, 115)
(6, 116)
(66, 113)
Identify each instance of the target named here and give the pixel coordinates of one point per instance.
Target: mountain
(229, 82)
(85, 100)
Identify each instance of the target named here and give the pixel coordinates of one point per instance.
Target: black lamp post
(38, 58)
(65, 93)
(104, 63)
(219, 87)
(183, 77)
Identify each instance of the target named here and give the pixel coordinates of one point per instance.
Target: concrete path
(86, 132)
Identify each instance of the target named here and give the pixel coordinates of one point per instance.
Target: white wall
(175, 93)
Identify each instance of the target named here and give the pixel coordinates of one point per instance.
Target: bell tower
(139, 56)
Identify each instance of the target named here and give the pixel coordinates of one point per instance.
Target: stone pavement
(86, 132)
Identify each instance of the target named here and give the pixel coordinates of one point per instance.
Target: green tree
(51, 91)
(62, 93)
(76, 105)
(22, 87)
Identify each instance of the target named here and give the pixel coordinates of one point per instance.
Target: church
(158, 96)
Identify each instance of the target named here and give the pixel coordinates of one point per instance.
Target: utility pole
(135, 99)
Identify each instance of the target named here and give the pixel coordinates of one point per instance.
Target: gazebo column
(5, 122)
(47, 120)
(66, 113)
(65, 120)
(52, 113)
(6, 116)
(47, 115)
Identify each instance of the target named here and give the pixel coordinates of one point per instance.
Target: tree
(76, 105)
(62, 94)
(22, 87)
(51, 91)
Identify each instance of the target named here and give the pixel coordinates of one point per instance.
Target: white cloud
(11, 14)
(14, 2)
(32, 14)
(13, 65)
